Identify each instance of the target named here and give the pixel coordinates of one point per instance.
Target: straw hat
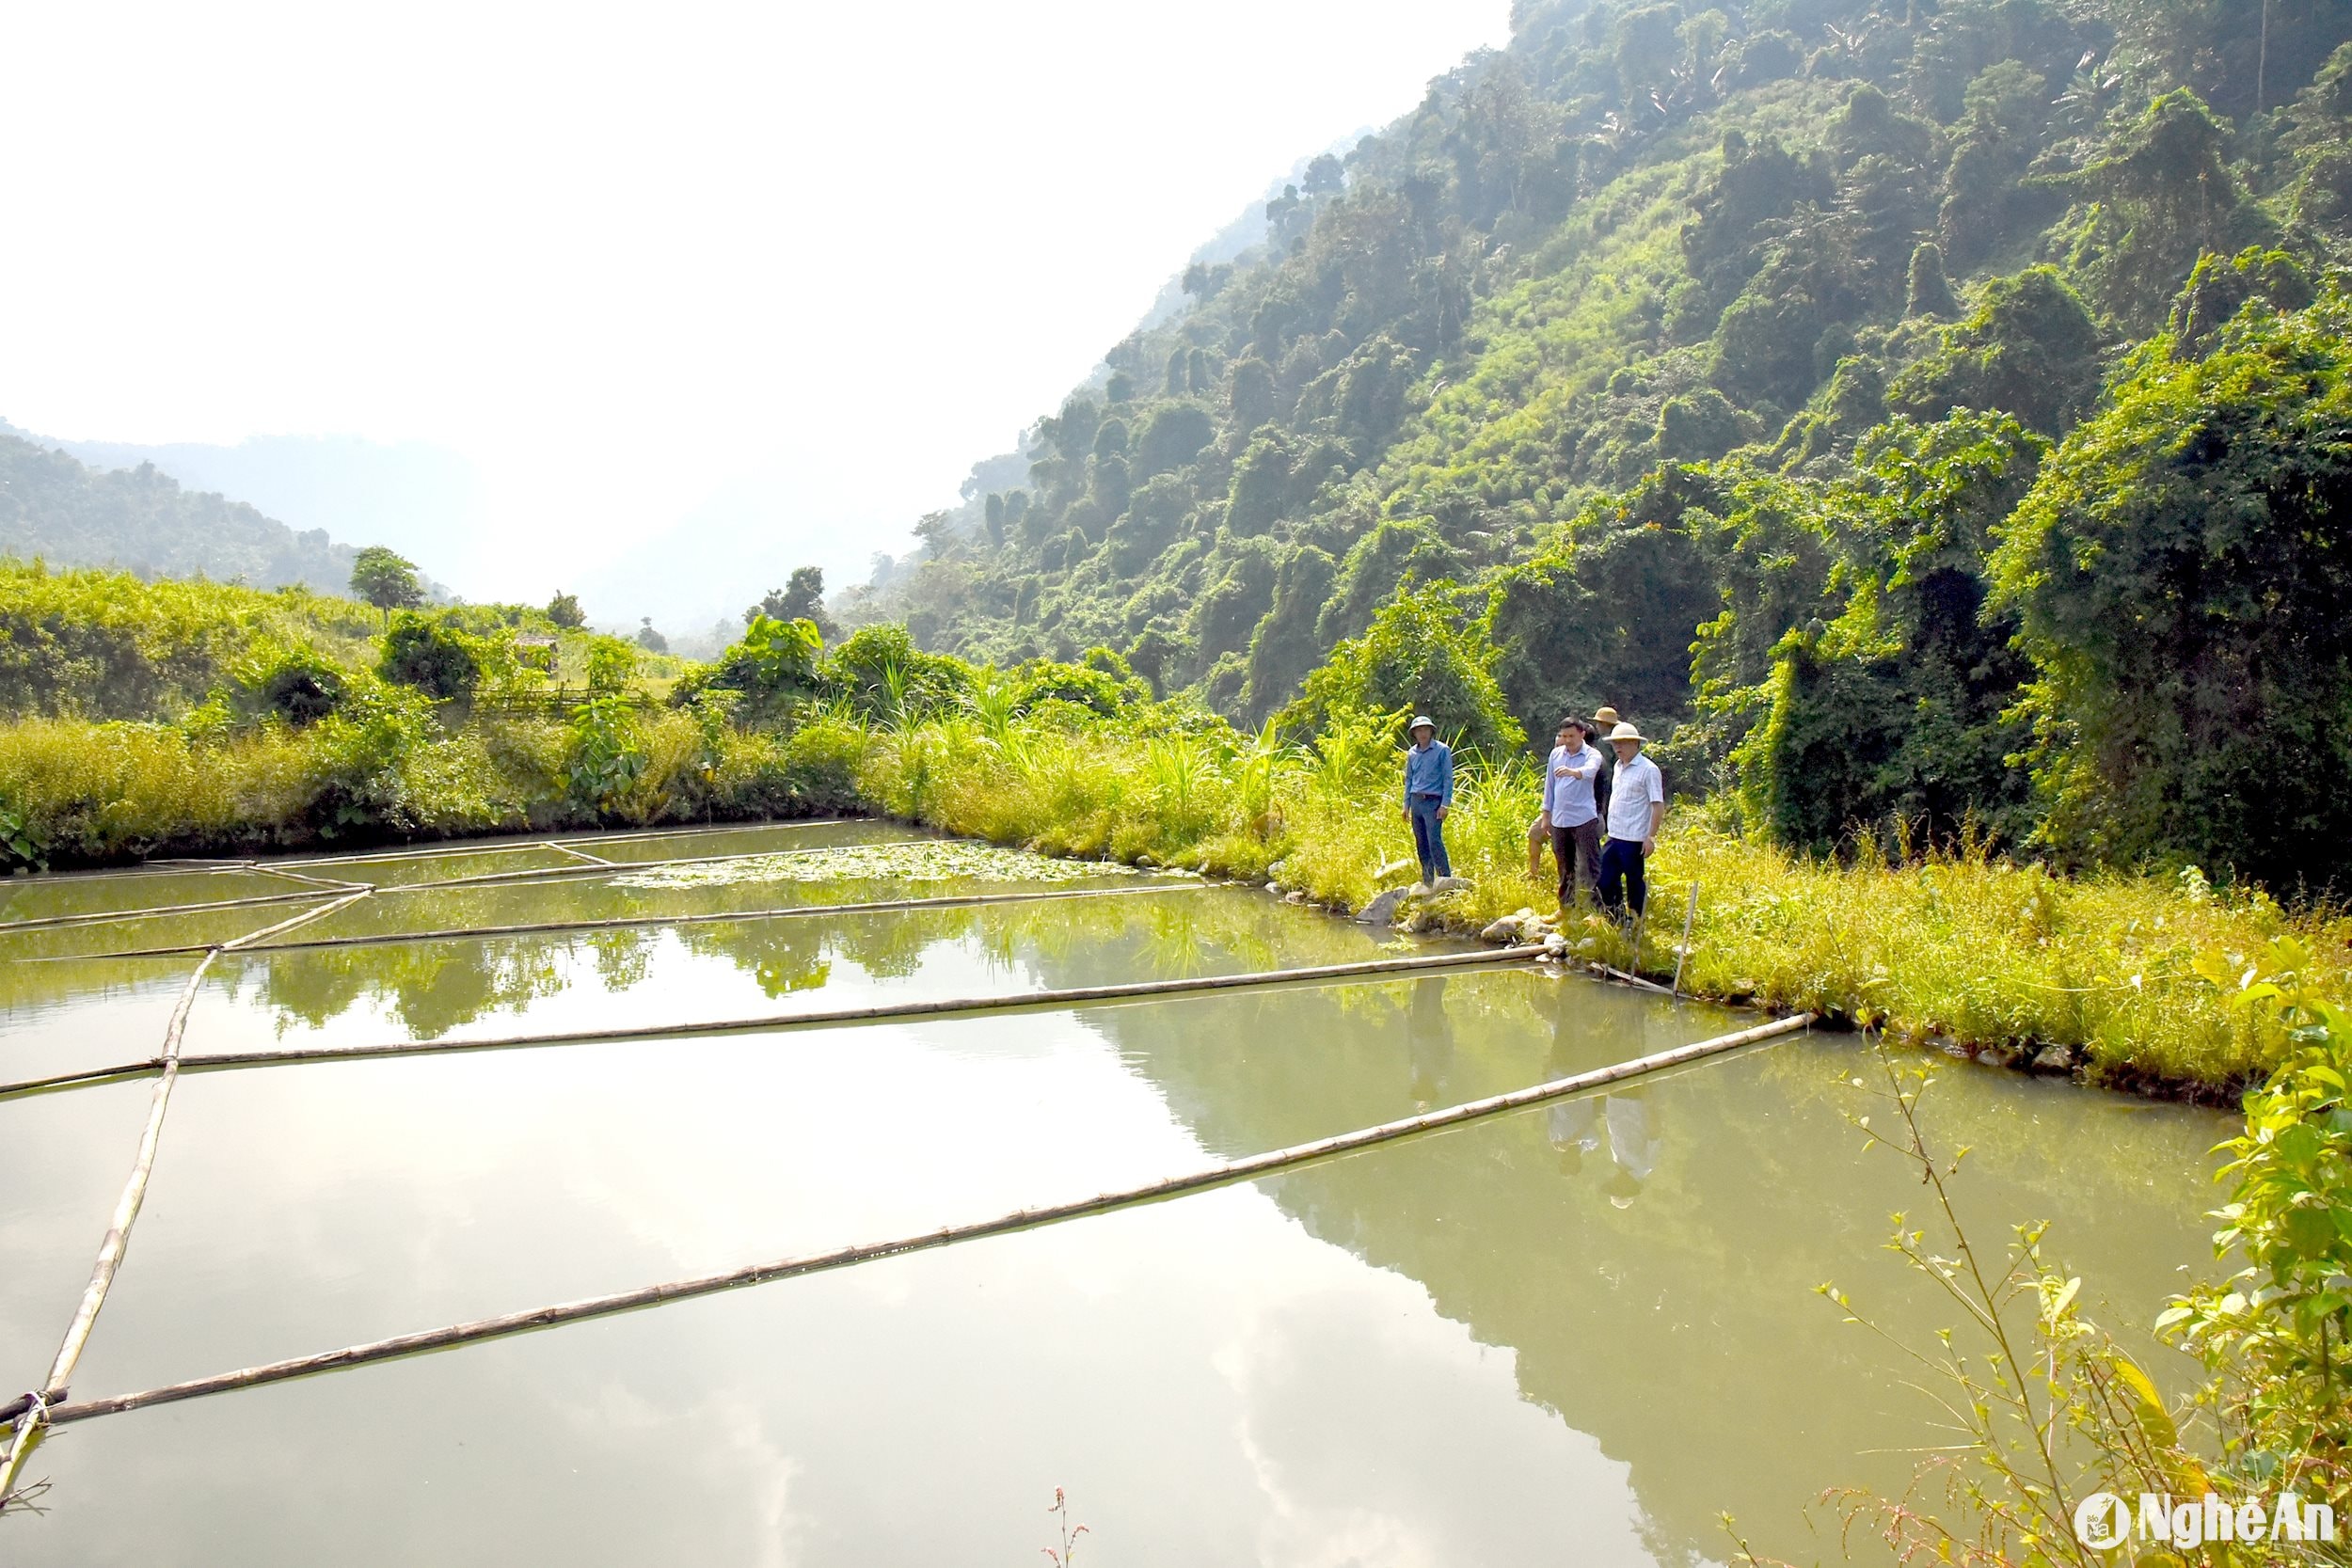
(1627, 731)
(1605, 719)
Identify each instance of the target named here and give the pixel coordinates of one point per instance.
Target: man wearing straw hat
(1597, 731)
(1429, 795)
(1637, 804)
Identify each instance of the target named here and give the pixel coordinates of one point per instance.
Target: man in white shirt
(1637, 804)
(1568, 808)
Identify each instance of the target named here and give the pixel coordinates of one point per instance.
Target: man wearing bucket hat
(1604, 719)
(1429, 795)
(1637, 804)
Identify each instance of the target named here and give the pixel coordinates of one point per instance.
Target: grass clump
(1960, 946)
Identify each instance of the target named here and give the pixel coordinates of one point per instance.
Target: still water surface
(1573, 1335)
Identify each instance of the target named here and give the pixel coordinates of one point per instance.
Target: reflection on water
(1618, 1124)
(1577, 1333)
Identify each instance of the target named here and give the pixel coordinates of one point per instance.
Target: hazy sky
(619, 257)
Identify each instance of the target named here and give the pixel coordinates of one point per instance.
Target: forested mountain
(54, 507)
(1731, 364)
(416, 498)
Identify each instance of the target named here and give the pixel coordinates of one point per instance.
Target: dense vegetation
(186, 718)
(1753, 368)
(54, 508)
(1931, 419)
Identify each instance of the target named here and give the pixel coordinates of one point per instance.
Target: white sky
(621, 256)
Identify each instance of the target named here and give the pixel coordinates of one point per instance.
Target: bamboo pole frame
(879, 1013)
(314, 882)
(194, 864)
(604, 868)
(485, 878)
(618, 923)
(117, 1240)
(512, 846)
(1222, 1173)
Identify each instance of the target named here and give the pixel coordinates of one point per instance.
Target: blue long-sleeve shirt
(1568, 786)
(1429, 771)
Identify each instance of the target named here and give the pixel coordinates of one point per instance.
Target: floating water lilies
(921, 861)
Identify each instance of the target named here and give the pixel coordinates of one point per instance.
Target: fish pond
(1579, 1332)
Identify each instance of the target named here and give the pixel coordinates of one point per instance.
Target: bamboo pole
(635, 834)
(239, 944)
(1682, 954)
(117, 1237)
(1223, 1173)
(487, 879)
(576, 854)
(616, 923)
(314, 882)
(880, 1013)
(100, 917)
(190, 867)
(1631, 979)
(511, 846)
(608, 868)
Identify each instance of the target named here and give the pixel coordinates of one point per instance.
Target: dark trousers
(1577, 852)
(1623, 881)
(1429, 838)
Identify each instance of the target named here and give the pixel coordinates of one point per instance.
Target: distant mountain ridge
(269, 511)
(56, 508)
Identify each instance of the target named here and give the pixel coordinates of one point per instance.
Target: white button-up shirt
(1637, 788)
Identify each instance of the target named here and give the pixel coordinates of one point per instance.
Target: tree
(937, 529)
(2164, 196)
(386, 580)
(802, 596)
(2179, 573)
(1170, 437)
(432, 656)
(564, 610)
(1251, 393)
(775, 661)
(1416, 657)
(650, 640)
(2029, 349)
(1929, 292)
(1896, 709)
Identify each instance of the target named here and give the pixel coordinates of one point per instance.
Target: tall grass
(1962, 947)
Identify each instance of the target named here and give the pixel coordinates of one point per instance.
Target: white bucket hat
(1420, 719)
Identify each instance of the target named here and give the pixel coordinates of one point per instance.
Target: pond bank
(2110, 976)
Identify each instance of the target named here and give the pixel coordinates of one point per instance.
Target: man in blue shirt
(1429, 795)
(1569, 808)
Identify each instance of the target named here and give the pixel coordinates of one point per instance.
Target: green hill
(55, 508)
(1659, 342)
